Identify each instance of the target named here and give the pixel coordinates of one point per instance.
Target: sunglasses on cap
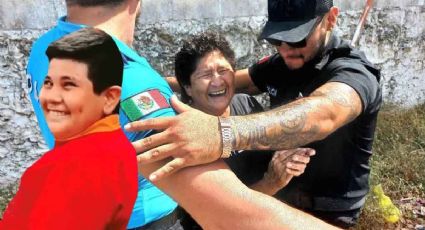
(300, 44)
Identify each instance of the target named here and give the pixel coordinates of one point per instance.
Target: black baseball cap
(292, 20)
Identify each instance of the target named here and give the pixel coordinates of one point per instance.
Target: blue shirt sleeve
(38, 65)
(37, 68)
(140, 78)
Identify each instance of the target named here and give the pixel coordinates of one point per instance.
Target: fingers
(300, 158)
(156, 154)
(309, 152)
(159, 123)
(298, 162)
(293, 161)
(179, 106)
(168, 169)
(283, 154)
(150, 142)
(286, 154)
(295, 169)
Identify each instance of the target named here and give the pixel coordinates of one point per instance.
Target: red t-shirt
(86, 183)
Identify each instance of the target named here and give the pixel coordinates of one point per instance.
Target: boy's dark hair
(89, 3)
(96, 49)
(193, 50)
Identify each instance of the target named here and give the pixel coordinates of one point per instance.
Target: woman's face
(212, 84)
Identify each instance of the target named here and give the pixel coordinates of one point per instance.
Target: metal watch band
(226, 136)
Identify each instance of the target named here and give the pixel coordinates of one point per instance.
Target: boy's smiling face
(68, 100)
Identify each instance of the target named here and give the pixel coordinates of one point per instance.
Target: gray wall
(393, 40)
(41, 14)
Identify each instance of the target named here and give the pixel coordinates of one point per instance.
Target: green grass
(5, 195)
(398, 163)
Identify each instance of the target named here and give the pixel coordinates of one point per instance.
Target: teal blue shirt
(140, 81)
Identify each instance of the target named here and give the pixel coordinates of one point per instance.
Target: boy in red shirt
(89, 180)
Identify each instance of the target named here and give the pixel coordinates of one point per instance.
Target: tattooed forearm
(342, 96)
(300, 122)
(281, 128)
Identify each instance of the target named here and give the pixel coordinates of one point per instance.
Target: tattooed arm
(298, 123)
(194, 137)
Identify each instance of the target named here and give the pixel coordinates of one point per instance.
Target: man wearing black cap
(325, 95)
(312, 62)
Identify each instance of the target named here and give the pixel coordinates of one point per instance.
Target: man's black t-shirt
(336, 179)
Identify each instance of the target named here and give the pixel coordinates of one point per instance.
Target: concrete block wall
(41, 14)
(393, 39)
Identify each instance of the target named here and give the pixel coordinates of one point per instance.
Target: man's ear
(112, 98)
(332, 17)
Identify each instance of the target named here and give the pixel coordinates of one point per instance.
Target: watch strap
(226, 136)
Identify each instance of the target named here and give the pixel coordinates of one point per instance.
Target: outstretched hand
(190, 138)
(286, 164)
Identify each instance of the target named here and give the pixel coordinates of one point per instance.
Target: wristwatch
(226, 136)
